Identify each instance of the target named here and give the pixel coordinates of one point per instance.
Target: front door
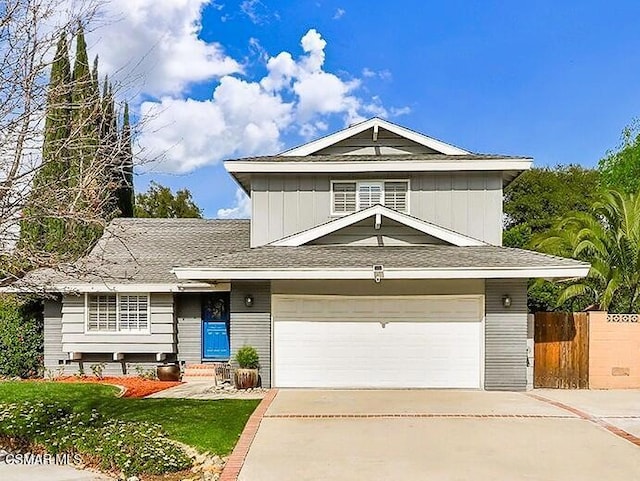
(215, 326)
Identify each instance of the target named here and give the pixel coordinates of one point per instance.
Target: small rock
(133, 478)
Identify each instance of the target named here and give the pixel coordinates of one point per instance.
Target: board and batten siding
(467, 202)
(251, 326)
(189, 327)
(54, 356)
(505, 335)
(161, 338)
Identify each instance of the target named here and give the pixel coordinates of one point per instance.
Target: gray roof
(134, 251)
(419, 257)
(144, 251)
(380, 158)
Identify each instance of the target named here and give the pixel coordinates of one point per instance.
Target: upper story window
(352, 196)
(117, 312)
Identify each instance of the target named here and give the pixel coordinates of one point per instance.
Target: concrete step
(205, 372)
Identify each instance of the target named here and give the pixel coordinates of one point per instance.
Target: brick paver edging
(621, 433)
(415, 415)
(236, 459)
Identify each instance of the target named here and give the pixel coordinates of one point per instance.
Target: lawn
(212, 426)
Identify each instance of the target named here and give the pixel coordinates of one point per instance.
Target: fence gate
(561, 357)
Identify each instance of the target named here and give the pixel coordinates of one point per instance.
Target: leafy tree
(609, 238)
(21, 337)
(160, 202)
(620, 169)
(537, 199)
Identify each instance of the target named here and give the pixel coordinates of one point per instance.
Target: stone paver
(206, 390)
(485, 443)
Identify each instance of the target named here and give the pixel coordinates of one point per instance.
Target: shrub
(133, 448)
(21, 337)
(247, 358)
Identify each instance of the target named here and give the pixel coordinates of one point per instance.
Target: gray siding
(506, 335)
(189, 317)
(160, 340)
(53, 354)
(409, 287)
(466, 202)
(251, 326)
(391, 233)
(388, 143)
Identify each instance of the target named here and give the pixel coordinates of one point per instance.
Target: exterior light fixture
(506, 300)
(248, 300)
(378, 273)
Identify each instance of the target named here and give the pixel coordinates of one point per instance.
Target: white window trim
(117, 332)
(368, 181)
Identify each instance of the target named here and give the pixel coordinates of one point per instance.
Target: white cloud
(248, 117)
(241, 208)
(257, 12)
(339, 13)
(155, 45)
(381, 74)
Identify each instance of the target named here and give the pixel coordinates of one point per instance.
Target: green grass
(212, 426)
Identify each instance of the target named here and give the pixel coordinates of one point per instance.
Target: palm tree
(609, 238)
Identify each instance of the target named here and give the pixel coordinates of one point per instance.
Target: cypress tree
(42, 229)
(125, 194)
(85, 139)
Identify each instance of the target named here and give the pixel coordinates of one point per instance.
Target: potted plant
(246, 376)
(168, 372)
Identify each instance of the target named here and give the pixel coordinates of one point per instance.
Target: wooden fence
(561, 350)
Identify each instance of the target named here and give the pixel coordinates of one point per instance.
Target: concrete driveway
(445, 435)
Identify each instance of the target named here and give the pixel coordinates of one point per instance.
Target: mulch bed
(136, 387)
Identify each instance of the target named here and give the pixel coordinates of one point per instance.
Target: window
(349, 197)
(369, 194)
(395, 195)
(117, 312)
(344, 197)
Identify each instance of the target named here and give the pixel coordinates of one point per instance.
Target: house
(372, 259)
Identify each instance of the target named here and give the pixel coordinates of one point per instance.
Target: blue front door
(215, 326)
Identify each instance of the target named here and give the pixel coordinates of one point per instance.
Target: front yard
(212, 426)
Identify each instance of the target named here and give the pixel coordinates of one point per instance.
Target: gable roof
(335, 225)
(374, 123)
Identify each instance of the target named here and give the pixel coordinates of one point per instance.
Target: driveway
(444, 435)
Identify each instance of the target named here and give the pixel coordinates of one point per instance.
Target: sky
(211, 79)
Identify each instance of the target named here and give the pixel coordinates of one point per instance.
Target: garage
(378, 341)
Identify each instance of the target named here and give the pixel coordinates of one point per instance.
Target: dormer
(374, 163)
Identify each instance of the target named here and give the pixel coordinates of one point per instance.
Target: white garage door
(376, 342)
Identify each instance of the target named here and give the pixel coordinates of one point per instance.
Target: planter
(246, 378)
(168, 372)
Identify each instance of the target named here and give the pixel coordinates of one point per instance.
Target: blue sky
(554, 80)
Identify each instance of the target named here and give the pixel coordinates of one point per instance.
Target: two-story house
(372, 259)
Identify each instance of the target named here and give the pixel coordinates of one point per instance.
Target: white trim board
(376, 123)
(550, 272)
(335, 225)
(357, 166)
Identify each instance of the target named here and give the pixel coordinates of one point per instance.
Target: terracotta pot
(246, 378)
(168, 372)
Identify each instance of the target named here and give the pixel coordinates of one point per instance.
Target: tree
(56, 172)
(620, 169)
(537, 199)
(609, 238)
(124, 171)
(160, 202)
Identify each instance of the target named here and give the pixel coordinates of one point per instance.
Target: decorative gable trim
(378, 211)
(377, 123)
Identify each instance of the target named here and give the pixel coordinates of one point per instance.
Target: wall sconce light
(248, 300)
(506, 300)
(378, 273)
